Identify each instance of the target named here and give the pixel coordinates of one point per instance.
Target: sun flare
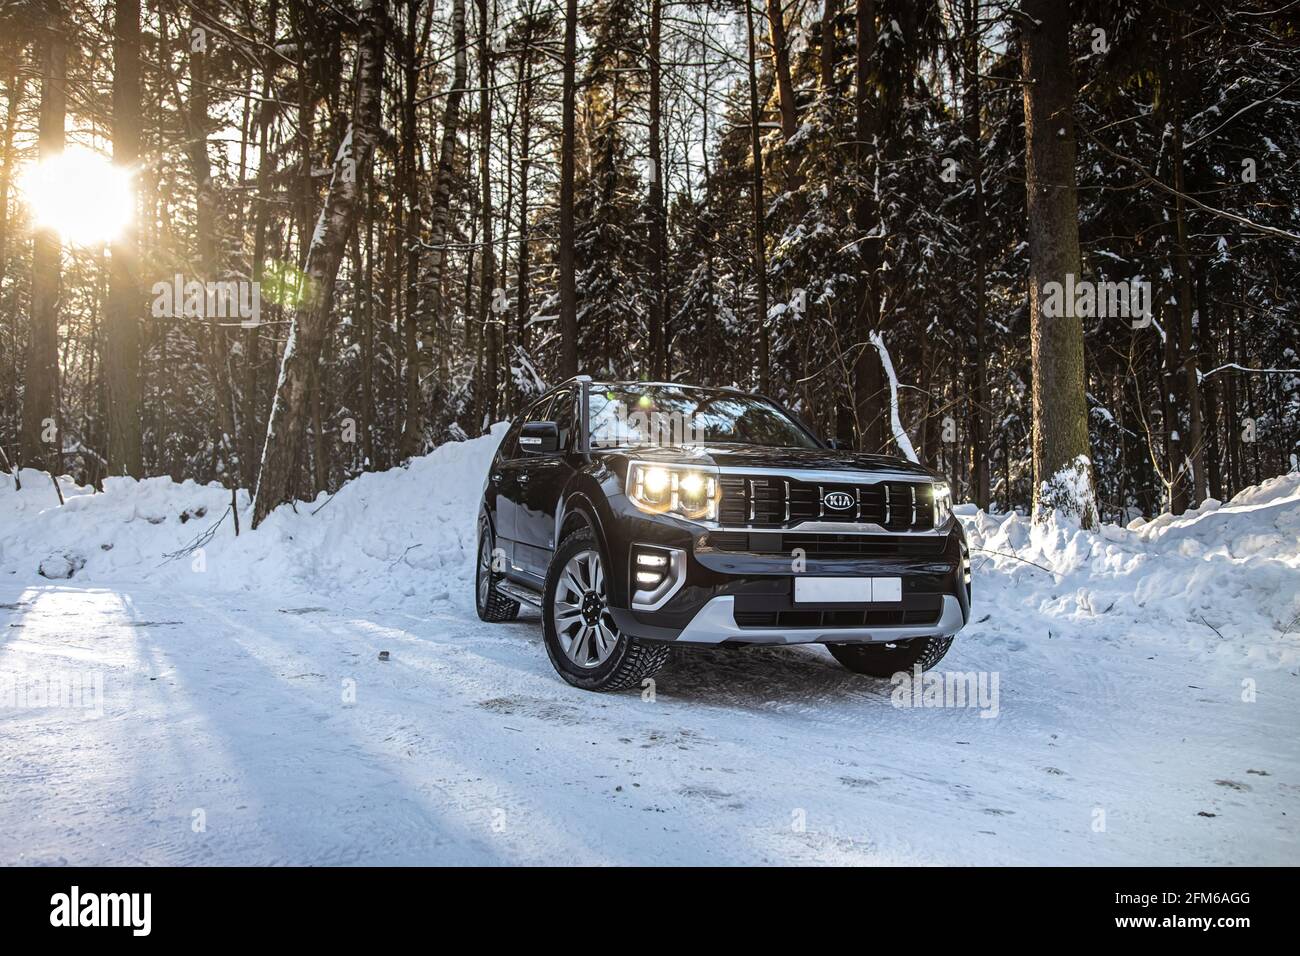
(79, 194)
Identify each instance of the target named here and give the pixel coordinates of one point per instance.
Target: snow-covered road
(242, 730)
(1148, 698)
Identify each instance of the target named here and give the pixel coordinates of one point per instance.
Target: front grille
(774, 501)
(818, 546)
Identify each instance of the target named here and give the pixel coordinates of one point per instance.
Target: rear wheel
(886, 660)
(583, 642)
(492, 605)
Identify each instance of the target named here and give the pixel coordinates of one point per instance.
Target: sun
(79, 194)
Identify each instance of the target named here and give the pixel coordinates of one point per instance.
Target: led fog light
(657, 575)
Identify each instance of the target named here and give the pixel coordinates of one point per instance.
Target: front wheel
(582, 640)
(886, 660)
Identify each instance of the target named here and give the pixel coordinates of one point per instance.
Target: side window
(562, 415)
(537, 413)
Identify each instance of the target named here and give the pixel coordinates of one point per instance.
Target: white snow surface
(1148, 677)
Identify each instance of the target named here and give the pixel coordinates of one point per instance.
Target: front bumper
(715, 623)
(742, 594)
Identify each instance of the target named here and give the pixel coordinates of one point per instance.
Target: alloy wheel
(586, 630)
(484, 568)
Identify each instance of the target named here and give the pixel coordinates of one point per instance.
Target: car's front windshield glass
(671, 415)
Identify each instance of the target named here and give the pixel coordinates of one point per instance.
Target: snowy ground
(1149, 695)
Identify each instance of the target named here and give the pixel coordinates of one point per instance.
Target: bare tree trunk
(250, 407)
(1208, 353)
(392, 334)
(439, 215)
(1235, 451)
(122, 323)
(509, 404)
(368, 327)
(419, 329)
(1062, 462)
(758, 204)
(842, 417)
(208, 228)
(568, 280)
(523, 261)
(40, 400)
(785, 91)
(830, 11)
(867, 382)
(14, 95)
(1174, 437)
(487, 403)
(707, 235)
(1190, 386)
(409, 190)
(320, 469)
(310, 325)
(657, 250)
(981, 399)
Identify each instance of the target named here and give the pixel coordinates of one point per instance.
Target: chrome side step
(520, 593)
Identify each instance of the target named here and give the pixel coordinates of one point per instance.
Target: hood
(794, 459)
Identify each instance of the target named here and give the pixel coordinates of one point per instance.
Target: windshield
(672, 415)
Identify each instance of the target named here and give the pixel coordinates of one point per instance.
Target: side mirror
(539, 438)
(838, 444)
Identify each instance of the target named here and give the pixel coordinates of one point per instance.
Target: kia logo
(837, 500)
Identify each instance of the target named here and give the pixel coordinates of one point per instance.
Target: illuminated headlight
(942, 502)
(670, 489)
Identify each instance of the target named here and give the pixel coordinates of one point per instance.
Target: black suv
(640, 516)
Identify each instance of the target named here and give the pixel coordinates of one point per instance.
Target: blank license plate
(847, 590)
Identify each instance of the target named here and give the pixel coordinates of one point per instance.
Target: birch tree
(286, 429)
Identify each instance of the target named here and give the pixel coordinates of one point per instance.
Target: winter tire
(582, 640)
(492, 605)
(886, 660)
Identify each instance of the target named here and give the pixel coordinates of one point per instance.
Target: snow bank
(399, 538)
(1223, 580)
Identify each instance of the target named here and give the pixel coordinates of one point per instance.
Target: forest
(1055, 246)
